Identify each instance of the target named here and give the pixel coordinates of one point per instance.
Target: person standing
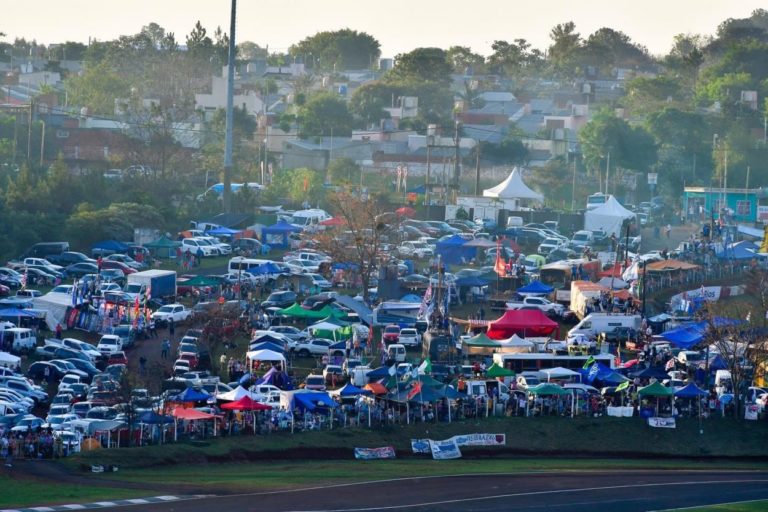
(172, 328)
(58, 331)
(668, 230)
(199, 256)
(165, 348)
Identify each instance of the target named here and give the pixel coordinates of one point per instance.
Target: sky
(399, 25)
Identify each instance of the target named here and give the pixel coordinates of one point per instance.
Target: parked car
(391, 333)
(280, 299)
(109, 344)
(177, 312)
(313, 347)
(415, 249)
(125, 260)
(80, 269)
(315, 383)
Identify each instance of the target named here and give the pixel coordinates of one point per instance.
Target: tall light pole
(227, 197)
(607, 172)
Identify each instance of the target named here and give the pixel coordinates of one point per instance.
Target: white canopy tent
(9, 360)
(55, 306)
(559, 373)
(264, 355)
(236, 394)
(609, 217)
(513, 188)
(516, 345)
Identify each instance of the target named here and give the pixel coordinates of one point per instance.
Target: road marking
(105, 504)
(534, 493)
(710, 505)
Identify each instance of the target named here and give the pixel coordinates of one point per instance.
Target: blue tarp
(277, 234)
(221, 230)
(350, 390)
(110, 245)
(266, 268)
(453, 252)
(152, 418)
(16, 312)
(535, 288)
(411, 298)
(650, 373)
(343, 265)
(690, 391)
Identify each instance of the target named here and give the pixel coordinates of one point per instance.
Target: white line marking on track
(532, 493)
(711, 505)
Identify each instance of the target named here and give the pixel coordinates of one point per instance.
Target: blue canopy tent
(535, 288)
(265, 337)
(267, 345)
(690, 335)
(421, 189)
(650, 373)
(277, 234)
(453, 252)
(350, 390)
(343, 265)
(265, 269)
(598, 371)
(744, 250)
(109, 247)
(381, 372)
(313, 401)
(690, 391)
(190, 395)
(153, 418)
(410, 298)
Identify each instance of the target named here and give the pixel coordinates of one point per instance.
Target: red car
(117, 358)
(118, 265)
(391, 334)
(191, 358)
(4, 290)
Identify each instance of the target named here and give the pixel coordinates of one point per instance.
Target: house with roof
(209, 103)
(316, 153)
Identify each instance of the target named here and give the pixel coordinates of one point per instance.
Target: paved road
(566, 491)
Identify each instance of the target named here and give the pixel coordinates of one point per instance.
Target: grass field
(752, 506)
(19, 493)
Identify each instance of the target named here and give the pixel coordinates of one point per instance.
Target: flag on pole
(590, 362)
(415, 390)
(426, 366)
(624, 385)
(499, 267)
(392, 370)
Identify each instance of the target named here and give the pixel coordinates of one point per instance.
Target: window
(743, 207)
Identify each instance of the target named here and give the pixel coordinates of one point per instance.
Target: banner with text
(422, 445)
(443, 450)
(385, 452)
(661, 422)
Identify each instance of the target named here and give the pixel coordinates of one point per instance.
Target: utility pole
(573, 188)
(227, 196)
(29, 132)
(477, 171)
(42, 145)
(427, 199)
(457, 162)
(607, 172)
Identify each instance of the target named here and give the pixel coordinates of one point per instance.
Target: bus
(527, 362)
(596, 200)
(243, 264)
(396, 312)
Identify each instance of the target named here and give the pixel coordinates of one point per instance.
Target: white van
(309, 220)
(596, 323)
(396, 352)
(19, 338)
(514, 222)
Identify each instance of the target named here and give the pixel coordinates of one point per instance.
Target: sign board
(653, 178)
(443, 450)
(386, 452)
(762, 214)
(661, 422)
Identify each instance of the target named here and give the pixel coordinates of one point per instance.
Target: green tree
(630, 147)
(565, 45)
(421, 64)
(325, 114)
(649, 94)
(343, 171)
(514, 58)
(369, 101)
(607, 48)
(339, 49)
(464, 61)
(97, 88)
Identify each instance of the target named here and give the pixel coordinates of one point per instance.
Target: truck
(544, 305)
(158, 284)
(487, 388)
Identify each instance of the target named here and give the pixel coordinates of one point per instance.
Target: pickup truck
(20, 265)
(540, 303)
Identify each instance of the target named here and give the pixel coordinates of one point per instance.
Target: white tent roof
(559, 373)
(609, 217)
(9, 360)
(236, 394)
(264, 355)
(513, 188)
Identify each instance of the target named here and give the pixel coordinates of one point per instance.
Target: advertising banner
(661, 422)
(420, 446)
(443, 450)
(386, 452)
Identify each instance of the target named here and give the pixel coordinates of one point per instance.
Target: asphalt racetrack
(624, 491)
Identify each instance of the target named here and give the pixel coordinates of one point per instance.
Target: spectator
(165, 348)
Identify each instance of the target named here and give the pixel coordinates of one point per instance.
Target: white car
(314, 347)
(549, 245)
(409, 336)
(109, 344)
(415, 249)
(224, 248)
(177, 312)
(319, 281)
(191, 245)
(302, 266)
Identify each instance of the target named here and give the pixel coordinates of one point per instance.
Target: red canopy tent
(405, 211)
(246, 404)
(180, 413)
(526, 322)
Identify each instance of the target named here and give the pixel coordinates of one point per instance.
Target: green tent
(297, 311)
(547, 388)
(655, 389)
(480, 345)
(498, 371)
(163, 247)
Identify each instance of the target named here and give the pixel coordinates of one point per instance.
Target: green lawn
(22, 492)
(753, 506)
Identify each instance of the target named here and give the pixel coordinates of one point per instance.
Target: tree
(556, 179)
(630, 147)
(295, 186)
(369, 101)
(422, 64)
(607, 48)
(343, 171)
(464, 61)
(513, 58)
(362, 225)
(97, 88)
(510, 150)
(340, 49)
(682, 137)
(565, 44)
(649, 94)
(325, 114)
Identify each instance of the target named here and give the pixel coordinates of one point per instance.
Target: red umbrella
(405, 211)
(246, 404)
(333, 221)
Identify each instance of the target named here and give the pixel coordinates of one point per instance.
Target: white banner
(480, 439)
(750, 413)
(762, 213)
(420, 446)
(662, 422)
(443, 450)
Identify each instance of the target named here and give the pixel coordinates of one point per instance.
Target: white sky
(399, 25)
